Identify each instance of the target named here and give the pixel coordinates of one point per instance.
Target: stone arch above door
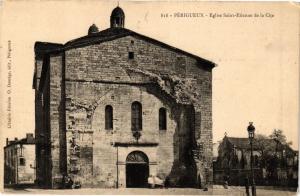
(137, 157)
(137, 170)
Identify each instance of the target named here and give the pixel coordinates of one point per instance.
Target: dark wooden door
(137, 175)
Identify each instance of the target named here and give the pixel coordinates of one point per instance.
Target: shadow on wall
(184, 169)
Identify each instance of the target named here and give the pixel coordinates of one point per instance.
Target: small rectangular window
(131, 55)
(22, 161)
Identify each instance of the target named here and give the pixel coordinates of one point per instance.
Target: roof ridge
(118, 32)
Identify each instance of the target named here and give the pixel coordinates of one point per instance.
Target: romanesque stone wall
(45, 133)
(120, 97)
(188, 82)
(38, 118)
(42, 128)
(80, 156)
(56, 112)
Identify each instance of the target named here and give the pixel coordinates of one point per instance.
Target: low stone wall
(237, 177)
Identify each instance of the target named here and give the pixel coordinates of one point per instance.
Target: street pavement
(217, 190)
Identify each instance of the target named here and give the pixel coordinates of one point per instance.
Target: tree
(274, 151)
(278, 136)
(259, 142)
(266, 147)
(280, 139)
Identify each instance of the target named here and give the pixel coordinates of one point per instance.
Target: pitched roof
(28, 140)
(239, 142)
(40, 48)
(114, 33)
(109, 34)
(243, 143)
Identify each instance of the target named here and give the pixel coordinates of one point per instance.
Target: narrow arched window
(136, 116)
(162, 119)
(118, 21)
(108, 117)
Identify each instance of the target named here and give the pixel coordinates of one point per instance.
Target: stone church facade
(115, 106)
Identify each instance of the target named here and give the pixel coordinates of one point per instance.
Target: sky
(256, 78)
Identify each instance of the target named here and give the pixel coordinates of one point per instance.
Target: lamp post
(251, 130)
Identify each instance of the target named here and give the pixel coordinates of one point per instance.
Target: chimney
(6, 141)
(16, 139)
(29, 137)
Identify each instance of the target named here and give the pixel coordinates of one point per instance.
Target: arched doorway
(137, 170)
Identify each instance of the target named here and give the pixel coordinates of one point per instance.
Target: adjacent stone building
(274, 163)
(19, 161)
(115, 106)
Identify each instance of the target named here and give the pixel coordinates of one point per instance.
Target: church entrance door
(137, 170)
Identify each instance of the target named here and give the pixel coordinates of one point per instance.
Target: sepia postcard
(149, 97)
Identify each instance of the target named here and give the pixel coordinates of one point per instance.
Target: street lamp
(251, 130)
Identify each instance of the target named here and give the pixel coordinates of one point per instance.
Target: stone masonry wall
(108, 63)
(120, 97)
(42, 125)
(57, 128)
(45, 135)
(38, 118)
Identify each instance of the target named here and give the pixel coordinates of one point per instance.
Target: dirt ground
(216, 190)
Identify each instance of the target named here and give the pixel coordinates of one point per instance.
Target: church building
(114, 107)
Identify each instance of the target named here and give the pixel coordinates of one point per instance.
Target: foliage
(278, 136)
(271, 147)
